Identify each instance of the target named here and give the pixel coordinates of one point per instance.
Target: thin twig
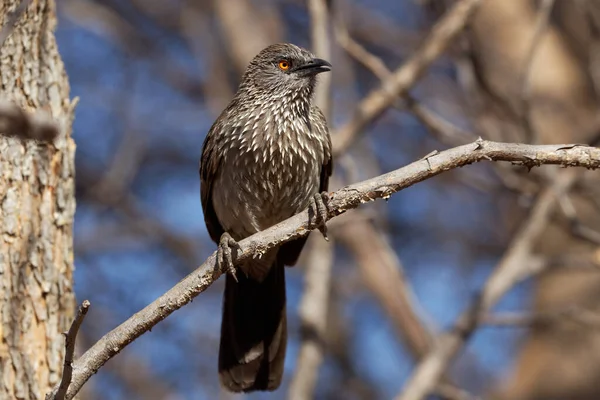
(70, 340)
(342, 200)
(405, 77)
(359, 53)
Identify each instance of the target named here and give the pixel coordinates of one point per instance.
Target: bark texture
(37, 205)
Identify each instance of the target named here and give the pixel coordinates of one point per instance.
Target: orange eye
(284, 65)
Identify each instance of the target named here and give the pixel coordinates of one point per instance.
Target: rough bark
(37, 205)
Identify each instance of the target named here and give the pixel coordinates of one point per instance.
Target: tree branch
(405, 77)
(514, 266)
(297, 226)
(70, 340)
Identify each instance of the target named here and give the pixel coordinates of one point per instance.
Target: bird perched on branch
(266, 158)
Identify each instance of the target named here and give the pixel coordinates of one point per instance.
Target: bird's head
(284, 69)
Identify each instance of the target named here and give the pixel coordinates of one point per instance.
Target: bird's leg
(319, 205)
(224, 255)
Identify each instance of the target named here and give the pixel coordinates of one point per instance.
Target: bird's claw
(224, 254)
(319, 205)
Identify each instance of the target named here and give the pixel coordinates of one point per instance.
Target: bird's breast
(272, 171)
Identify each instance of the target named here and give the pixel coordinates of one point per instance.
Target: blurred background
(152, 76)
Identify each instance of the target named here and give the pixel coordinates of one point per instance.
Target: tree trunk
(37, 205)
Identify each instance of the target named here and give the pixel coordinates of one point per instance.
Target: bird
(267, 157)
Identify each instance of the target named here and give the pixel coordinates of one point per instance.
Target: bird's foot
(319, 206)
(225, 255)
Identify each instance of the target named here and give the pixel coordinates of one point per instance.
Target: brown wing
(290, 251)
(209, 166)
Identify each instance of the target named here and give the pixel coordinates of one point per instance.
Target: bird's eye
(284, 65)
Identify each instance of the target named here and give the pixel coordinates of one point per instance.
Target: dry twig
(70, 340)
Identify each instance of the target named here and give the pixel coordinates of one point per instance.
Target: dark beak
(315, 66)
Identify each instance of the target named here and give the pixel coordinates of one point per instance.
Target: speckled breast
(271, 174)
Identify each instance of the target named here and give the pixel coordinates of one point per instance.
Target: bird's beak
(314, 66)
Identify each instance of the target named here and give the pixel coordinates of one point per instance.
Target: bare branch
(405, 77)
(70, 340)
(359, 53)
(297, 226)
(16, 122)
(513, 268)
(443, 130)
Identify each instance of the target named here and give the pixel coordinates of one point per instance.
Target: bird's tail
(253, 331)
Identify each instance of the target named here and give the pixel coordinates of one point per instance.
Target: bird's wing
(290, 251)
(209, 165)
